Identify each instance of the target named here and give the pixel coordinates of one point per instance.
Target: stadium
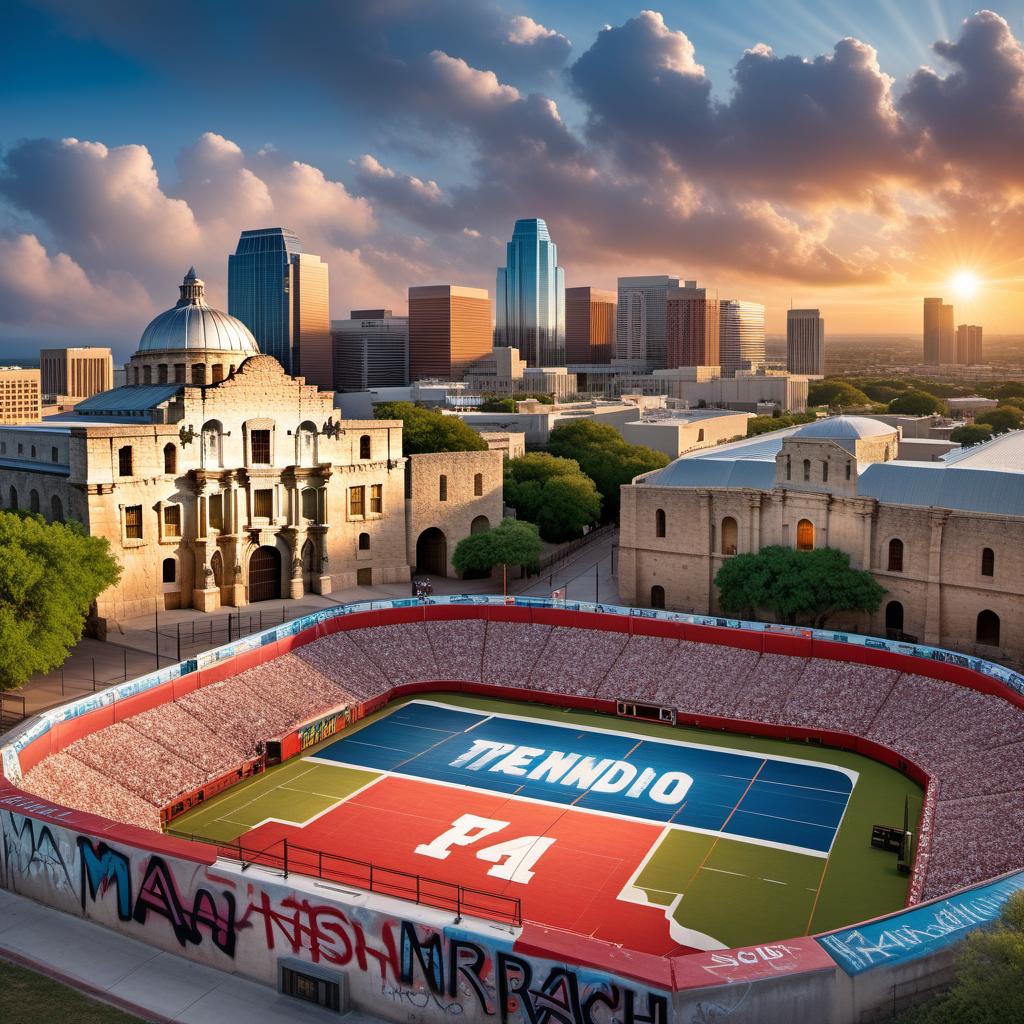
(534, 810)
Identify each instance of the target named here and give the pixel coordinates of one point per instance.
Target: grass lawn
(29, 998)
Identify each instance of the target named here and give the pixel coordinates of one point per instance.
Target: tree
(796, 586)
(605, 457)
(511, 542)
(916, 403)
(836, 393)
(990, 975)
(1009, 389)
(971, 434)
(881, 392)
(553, 493)
(762, 424)
(50, 574)
(1001, 419)
(427, 430)
(495, 404)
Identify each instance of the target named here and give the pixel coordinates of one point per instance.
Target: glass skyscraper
(530, 298)
(281, 295)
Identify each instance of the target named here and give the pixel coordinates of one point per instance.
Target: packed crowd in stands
(970, 744)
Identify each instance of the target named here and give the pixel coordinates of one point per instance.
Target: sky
(854, 156)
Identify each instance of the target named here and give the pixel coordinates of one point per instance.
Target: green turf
(740, 893)
(30, 998)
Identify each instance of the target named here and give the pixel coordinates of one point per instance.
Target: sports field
(659, 839)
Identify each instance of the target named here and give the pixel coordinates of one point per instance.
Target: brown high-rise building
(589, 325)
(968, 344)
(76, 372)
(450, 327)
(691, 328)
(939, 335)
(311, 320)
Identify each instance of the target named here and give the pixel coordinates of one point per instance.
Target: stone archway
(264, 575)
(432, 552)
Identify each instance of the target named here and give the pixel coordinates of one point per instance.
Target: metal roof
(1005, 452)
(131, 398)
(845, 428)
(934, 485)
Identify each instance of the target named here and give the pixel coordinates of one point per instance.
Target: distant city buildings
(939, 336)
(449, 330)
(20, 395)
(805, 341)
(530, 296)
(281, 294)
(589, 325)
(741, 330)
(371, 350)
(968, 345)
(640, 321)
(692, 327)
(75, 372)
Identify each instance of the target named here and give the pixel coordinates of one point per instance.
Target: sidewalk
(139, 979)
(131, 649)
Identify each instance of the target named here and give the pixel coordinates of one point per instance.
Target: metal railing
(286, 857)
(12, 709)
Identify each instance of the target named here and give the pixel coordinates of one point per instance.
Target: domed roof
(194, 326)
(845, 428)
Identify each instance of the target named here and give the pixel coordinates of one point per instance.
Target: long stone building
(945, 539)
(221, 480)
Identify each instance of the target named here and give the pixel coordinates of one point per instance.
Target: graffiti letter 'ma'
(103, 867)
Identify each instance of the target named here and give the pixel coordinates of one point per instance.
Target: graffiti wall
(400, 961)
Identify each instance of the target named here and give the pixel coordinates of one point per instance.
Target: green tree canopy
(971, 434)
(605, 457)
(427, 430)
(916, 403)
(1002, 418)
(50, 573)
(795, 586)
(1008, 389)
(552, 492)
(836, 392)
(882, 392)
(496, 404)
(762, 424)
(511, 542)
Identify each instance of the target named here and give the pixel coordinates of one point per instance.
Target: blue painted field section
(758, 798)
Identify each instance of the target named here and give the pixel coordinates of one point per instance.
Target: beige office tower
(450, 327)
(589, 325)
(805, 341)
(20, 396)
(939, 335)
(76, 372)
(968, 344)
(311, 316)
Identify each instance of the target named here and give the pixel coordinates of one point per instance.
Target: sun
(965, 284)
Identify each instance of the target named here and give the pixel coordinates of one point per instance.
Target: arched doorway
(987, 628)
(265, 575)
(481, 524)
(657, 596)
(893, 618)
(729, 536)
(432, 552)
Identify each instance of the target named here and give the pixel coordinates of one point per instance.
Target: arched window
(824, 472)
(478, 485)
(56, 510)
(305, 444)
(659, 523)
(988, 562)
(657, 596)
(124, 461)
(309, 503)
(218, 372)
(161, 374)
(33, 500)
(211, 442)
(442, 488)
(199, 373)
(849, 471)
(170, 570)
(893, 618)
(987, 631)
(13, 496)
(807, 470)
(364, 542)
(170, 458)
(895, 555)
(729, 536)
(805, 535)
(217, 565)
(364, 446)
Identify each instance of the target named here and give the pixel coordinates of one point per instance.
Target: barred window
(478, 484)
(261, 447)
(263, 503)
(124, 460)
(133, 522)
(172, 521)
(356, 501)
(364, 446)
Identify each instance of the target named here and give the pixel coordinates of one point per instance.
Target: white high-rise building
(741, 333)
(371, 350)
(805, 341)
(640, 321)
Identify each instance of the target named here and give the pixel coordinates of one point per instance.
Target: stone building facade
(945, 540)
(225, 488)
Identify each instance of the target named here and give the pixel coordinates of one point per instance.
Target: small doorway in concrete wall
(432, 552)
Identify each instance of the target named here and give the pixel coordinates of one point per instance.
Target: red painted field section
(576, 882)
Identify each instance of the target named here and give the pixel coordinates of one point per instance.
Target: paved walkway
(139, 979)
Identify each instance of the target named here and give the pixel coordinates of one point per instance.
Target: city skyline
(904, 183)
